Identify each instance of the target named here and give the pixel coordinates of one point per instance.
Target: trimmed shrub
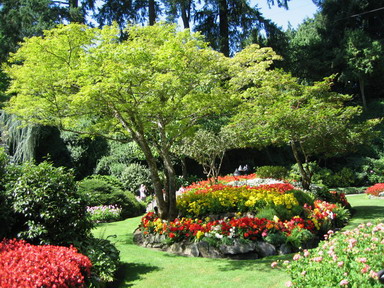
(30, 266)
(52, 211)
(276, 172)
(106, 190)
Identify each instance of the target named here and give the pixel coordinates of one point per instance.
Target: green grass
(365, 210)
(149, 268)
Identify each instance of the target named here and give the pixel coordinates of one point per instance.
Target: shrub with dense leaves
(134, 175)
(29, 266)
(375, 190)
(275, 172)
(104, 256)
(107, 190)
(46, 198)
(347, 259)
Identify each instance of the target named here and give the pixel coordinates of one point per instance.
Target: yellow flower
(199, 234)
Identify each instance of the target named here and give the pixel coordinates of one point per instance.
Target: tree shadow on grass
(262, 265)
(362, 214)
(129, 272)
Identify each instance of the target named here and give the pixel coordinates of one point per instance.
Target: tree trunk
(152, 12)
(224, 27)
(362, 91)
(185, 7)
(306, 175)
(184, 167)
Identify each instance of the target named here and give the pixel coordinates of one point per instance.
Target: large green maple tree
(152, 88)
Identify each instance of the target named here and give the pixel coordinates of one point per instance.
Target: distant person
(142, 192)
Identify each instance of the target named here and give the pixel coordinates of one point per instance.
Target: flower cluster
(326, 215)
(221, 180)
(221, 198)
(375, 190)
(105, 213)
(250, 228)
(347, 259)
(26, 265)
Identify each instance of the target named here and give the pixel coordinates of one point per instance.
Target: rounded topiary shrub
(47, 200)
(100, 190)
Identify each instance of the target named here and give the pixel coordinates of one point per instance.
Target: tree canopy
(276, 110)
(152, 87)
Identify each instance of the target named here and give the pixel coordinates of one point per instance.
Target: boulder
(265, 249)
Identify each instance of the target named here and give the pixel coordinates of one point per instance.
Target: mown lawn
(148, 268)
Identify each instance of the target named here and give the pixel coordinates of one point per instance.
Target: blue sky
(297, 12)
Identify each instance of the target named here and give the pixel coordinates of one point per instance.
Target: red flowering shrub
(221, 180)
(29, 266)
(375, 190)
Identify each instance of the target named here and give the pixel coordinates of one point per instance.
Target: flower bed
(104, 213)
(347, 259)
(375, 190)
(26, 265)
(220, 198)
(223, 216)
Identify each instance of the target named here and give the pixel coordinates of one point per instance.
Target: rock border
(238, 250)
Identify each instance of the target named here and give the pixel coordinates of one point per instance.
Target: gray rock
(208, 251)
(191, 250)
(285, 249)
(265, 249)
(237, 248)
(176, 248)
(138, 237)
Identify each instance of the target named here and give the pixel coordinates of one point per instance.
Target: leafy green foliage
(47, 200)
(104, 256)
(106, 190)
(313, 120)
(276, 172)
(134, 175)
(152, 87)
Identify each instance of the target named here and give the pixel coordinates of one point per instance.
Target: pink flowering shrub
(29, 266)
(346, 259)
(375, 190)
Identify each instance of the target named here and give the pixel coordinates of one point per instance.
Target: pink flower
(344, 282)
(274, 264)
(306, 253)
(317, 259)
(288, 284)
(373, 274)
(362, 260)
(296, 257)
(352, 242)
(304, 273)
(340, 264)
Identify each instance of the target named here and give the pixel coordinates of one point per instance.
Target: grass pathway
(148, 268)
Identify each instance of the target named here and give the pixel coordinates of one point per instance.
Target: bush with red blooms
(375, 190)
(29, 266)
(220, 180)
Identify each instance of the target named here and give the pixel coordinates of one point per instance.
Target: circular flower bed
(222, 216)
